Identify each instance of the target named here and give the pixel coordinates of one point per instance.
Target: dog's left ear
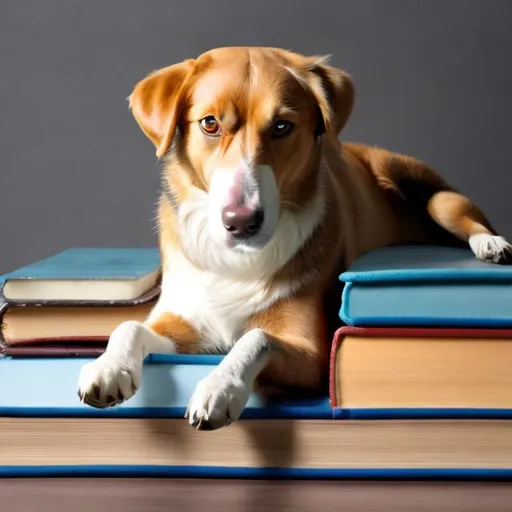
(156, 100)
(334, 92)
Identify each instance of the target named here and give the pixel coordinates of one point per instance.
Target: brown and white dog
(262, 208)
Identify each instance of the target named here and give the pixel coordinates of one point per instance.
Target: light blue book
(46, 431)
(85, 274)
(426, 286)
(167, 385)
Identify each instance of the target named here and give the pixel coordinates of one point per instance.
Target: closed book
(421, 286)
(408, 372)
(46, 431)
(85, 275)
(77, 296)
(55, 348)
(59, 323)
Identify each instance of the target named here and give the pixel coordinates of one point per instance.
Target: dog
(262, 207)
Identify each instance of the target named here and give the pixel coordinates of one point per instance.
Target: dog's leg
(461, 217)
(423, 187)
(115, 376)
(220, 397)
(286, 344)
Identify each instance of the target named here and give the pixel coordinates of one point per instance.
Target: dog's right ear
(155, 103)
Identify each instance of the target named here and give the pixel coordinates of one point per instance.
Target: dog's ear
(156, 100)
(334, 92)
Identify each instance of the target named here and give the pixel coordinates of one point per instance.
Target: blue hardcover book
(93, 274)
(167, 385)
(46, 431)
(426, 286)
(69, 303)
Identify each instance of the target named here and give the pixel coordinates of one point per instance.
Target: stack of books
(421, 387)
(427, 334)
(69, 303)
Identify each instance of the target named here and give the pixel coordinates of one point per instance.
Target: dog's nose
(242, 222)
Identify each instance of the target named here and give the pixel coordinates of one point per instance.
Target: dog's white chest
(218, 307)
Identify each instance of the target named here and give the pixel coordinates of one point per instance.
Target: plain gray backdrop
(434, 79)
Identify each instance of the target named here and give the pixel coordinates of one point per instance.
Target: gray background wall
(434, 80)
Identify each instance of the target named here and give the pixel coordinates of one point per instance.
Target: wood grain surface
(156, 495)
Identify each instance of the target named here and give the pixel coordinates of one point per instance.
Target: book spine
(3, 309)
(333, 372)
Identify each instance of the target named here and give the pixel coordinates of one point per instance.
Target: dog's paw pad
(106, 383)
(492, 249)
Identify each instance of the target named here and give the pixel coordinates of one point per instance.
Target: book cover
(88, 274)
(167, 385)
(423, 286)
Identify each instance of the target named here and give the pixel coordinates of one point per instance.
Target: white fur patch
(216, 289)
(490, 248)
(206, 250)
(217, 306)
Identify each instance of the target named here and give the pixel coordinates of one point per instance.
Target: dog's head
(243, 126)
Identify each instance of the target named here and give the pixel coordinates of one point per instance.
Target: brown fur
(179, 330)
(298, 326)
(374, 198)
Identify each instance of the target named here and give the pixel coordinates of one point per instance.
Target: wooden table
(155, 495)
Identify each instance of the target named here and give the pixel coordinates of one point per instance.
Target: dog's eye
(210, 125)
(281, 128)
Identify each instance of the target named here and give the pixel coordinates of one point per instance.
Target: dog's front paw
(217, 401)
(108, 381)
(494, 249)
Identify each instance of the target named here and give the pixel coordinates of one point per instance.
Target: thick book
(394, 372)
(421, 286)
(87, 274)
(45, 431)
